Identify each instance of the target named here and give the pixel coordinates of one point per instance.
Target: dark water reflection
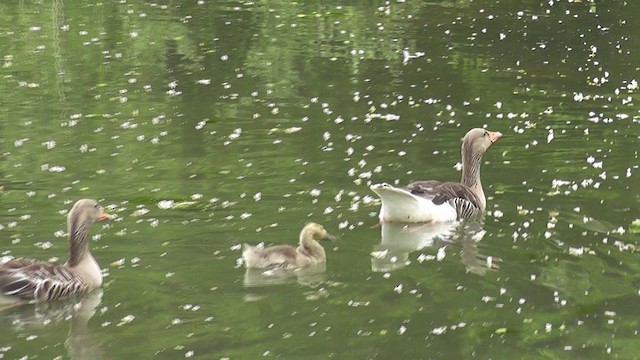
(208, 124)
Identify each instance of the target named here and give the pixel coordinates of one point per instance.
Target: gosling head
(316, 232)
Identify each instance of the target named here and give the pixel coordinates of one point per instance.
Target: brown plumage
(309, 251)
(27, 280)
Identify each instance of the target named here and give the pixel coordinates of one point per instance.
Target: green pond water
(207, 124)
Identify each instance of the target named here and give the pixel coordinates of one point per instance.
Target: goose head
(477, 141)
(86, 212)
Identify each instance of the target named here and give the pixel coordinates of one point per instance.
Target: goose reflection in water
(311, 276)
(399, 240)
(80, 343)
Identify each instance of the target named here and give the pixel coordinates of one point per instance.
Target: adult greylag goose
(29, 280)
(309, 252)
(434, 201)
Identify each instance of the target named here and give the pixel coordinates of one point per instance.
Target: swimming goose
(434, 201)
(29, 280)
(309, 252)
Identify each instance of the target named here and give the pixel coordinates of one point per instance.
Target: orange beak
(494, 136)
(104, 216)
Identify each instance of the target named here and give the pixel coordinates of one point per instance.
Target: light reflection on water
(206, 126)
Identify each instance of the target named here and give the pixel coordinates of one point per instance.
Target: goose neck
(78, 243)
(471, 175)
(311, 245)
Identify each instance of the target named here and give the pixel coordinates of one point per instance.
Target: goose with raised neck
(30, 280)
(434, 201)
(308, 252)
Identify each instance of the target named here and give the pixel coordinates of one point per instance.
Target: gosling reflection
(400, 240)
(311, 276)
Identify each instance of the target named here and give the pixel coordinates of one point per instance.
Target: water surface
(204, 125)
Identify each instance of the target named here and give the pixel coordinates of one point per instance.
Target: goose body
(435, 201)
(29, 280)
(309, 252)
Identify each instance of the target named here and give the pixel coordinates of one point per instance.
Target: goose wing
(32, 280)
(461, 197)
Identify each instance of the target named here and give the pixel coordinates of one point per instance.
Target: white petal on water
(118, 263)
(380, 254)
(338, 196)
(293, 129)
(477, 236)
(576, 251)
(423, 257)
(44, 245)
(126, 320)
(49, 144)
(365, 175)
(165, 204)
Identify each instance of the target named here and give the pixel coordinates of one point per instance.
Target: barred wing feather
(461, 197)
(31, 280)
